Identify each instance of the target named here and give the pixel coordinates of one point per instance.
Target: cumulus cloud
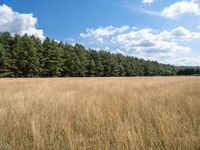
(14, 22)
(101, 32)
(181, 7)
(183, 33)
(190, 61)
(180, 33)
(148, 1)
(145, 40)
(118, 51)
(164, 46)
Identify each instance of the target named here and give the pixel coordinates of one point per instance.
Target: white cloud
(190, 61)
(101, 32)
(166, 46)
(181, 7)
(148, 1)
(183, 33)
(14, 22)
(146, 41)
(180, 33)
(118, 51)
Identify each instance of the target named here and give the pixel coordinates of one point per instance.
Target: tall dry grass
(100, 113)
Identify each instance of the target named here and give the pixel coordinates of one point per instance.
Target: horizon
(167, 32)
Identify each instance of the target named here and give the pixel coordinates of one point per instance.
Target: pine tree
(53, 58)
(5, 46)
(27, 56)
(91, 68)
(82, 61)
(4, 63)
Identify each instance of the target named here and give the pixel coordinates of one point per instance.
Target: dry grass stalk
(100, 113)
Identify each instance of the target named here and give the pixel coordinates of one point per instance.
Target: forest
(28, 56)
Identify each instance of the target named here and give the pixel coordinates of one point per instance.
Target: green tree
(4, 63)
(5, 46)
(91, 68)
(53, 55)
(27, 56)
(82, 61)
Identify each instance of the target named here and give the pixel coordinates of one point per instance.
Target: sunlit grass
(100, 113)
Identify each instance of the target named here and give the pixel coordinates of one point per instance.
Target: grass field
(100, 113)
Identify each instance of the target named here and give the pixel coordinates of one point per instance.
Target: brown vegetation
(100, 113)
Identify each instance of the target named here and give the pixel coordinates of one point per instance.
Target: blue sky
(166, 31)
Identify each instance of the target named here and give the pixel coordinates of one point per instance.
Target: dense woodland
(27, 56)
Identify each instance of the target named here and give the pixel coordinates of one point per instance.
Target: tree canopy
(27, 56)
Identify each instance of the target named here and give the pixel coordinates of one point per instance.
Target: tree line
(27, 56)
(188, 71)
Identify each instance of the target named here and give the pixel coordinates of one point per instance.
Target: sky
(167, 31)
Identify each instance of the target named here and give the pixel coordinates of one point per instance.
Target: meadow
(140, 113)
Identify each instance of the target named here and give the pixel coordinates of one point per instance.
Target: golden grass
(100, 113)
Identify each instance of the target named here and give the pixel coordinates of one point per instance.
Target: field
(100, 113)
